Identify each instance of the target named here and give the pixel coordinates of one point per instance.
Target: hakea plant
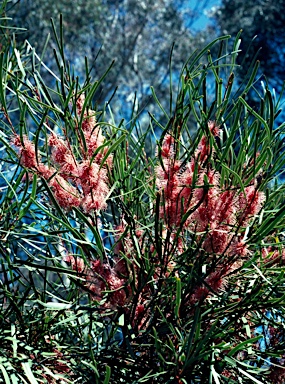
(193, 206)
(83, 183)
(192, 200)
(164, 268)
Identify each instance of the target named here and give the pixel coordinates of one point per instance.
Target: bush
(121, 266)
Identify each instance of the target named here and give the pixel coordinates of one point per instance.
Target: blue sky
(201, 22)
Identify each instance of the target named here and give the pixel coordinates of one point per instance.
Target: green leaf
(108, 375)
(98, 240)
(5, 374)
(244, 344)
(112, 149)
(257, 115)
(177, 297)
(27, 369)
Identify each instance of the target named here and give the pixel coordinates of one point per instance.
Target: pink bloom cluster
(116, 284)
(193, 199)
(100, 279)
(75, 182)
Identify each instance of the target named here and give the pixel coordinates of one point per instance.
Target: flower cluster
(194, 200)
(115, 284)
(75, 181)
(100, 278)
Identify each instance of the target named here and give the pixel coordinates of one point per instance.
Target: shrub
(118, 266)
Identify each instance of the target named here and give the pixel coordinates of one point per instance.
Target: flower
(93, 182)
(213, 128)
(66, 195)
(63, 157)
(27, 152)
(250, 203)
(101, 280)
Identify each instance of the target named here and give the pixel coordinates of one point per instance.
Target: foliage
(117, 266)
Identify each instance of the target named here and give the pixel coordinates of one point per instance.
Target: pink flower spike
(203, 150)
(213, 128)
(65, 194)
(250, 203)
(93, 138)
(27, 152)
(46, 172)
(79, 103)
(62, 155)
(167, 147)
(92, 178)
(93, 202)
(238, 248)
(216, 281)
(77, 264)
